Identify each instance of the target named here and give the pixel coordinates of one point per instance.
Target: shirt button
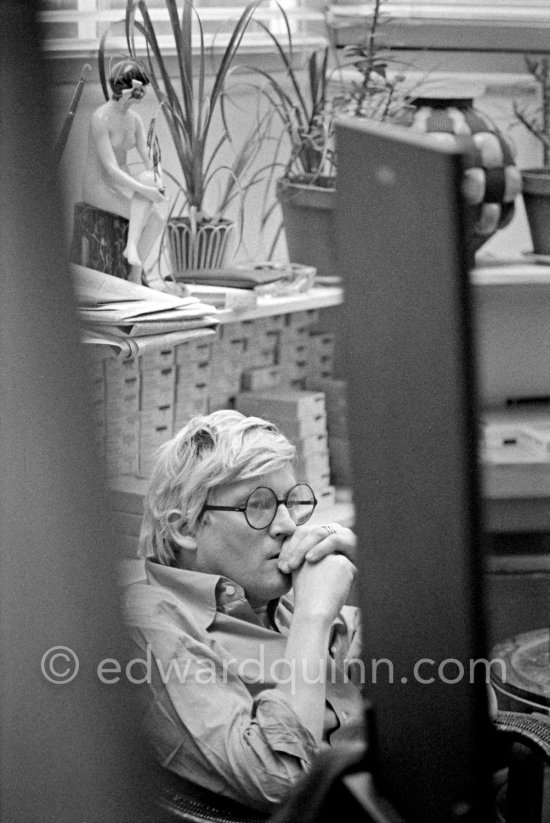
(230, 590)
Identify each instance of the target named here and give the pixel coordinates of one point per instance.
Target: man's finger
(316, 544)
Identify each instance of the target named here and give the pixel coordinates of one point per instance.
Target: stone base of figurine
(99, 239)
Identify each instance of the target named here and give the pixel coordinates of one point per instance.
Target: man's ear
(188, 541)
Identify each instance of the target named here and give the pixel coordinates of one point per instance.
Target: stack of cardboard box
(301, 417)
(138, 404)
(337, 427)
(260, 369)
(193, 360)
(225, 375)
(158, 385)
(96, 392)
(321, 354)
(122, 416)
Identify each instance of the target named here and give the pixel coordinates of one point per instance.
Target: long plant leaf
(174, 113)
(101, 63)
(184, 33)
(129, 19)
(286, 59)
(179, 39)
(155, 55)
(202, 126)
(231, 50)
(148, 31)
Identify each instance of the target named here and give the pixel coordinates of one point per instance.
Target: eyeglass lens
(261, 506)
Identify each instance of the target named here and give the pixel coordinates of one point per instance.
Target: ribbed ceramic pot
(203, 247)
(491, 179)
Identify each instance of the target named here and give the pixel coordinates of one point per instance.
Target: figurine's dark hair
(122, 74)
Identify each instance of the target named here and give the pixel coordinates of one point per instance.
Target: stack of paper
(111, 308)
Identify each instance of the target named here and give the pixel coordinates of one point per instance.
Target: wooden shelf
(317, 298)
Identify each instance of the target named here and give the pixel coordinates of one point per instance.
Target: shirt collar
(203, 594)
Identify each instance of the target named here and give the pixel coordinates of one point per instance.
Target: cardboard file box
(261, 377)
(115, 367)
(190, 401)
(122, 395)
(217, 402)
(158, 416)
(96, 389)
(298, 429)
(321, 342)
(94, 367)
(313, 465)
(97, 410)
(158, 387)
(122, 445)
(121, 427)
(325, 497)
(152, 438)
(121, 464)
(312, 444)
(226, 382)
(318, 482)
(335, 402)
(150, 441)
(282, 405)
(193, 373)
(259, 353)
(158, 359)
(191, 351)
(126, 523)
(127, 495)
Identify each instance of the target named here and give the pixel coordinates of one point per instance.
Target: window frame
(450, 32)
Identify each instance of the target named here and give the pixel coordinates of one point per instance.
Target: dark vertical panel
(68, 753)
(415, 476)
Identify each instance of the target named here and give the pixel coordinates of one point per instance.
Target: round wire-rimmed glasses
(262, 503)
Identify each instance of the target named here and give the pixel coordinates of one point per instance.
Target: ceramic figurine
(115, 130)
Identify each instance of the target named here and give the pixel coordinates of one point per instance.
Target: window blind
(78, 24)
(73, 25)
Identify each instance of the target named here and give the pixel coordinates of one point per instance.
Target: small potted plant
(536, 181)
(306, 104)
(207, 187)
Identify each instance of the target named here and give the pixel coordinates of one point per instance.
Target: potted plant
(207, 187)
(536, 181)
(306, 104)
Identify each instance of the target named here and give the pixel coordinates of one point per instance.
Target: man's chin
(277, 588)
(285, 584)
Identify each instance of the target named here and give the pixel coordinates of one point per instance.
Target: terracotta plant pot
(206, 248)
(309, 222)
(536, 196)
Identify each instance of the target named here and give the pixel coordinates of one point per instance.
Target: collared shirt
(215, 717)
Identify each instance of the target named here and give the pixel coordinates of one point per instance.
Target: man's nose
(282, 522)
